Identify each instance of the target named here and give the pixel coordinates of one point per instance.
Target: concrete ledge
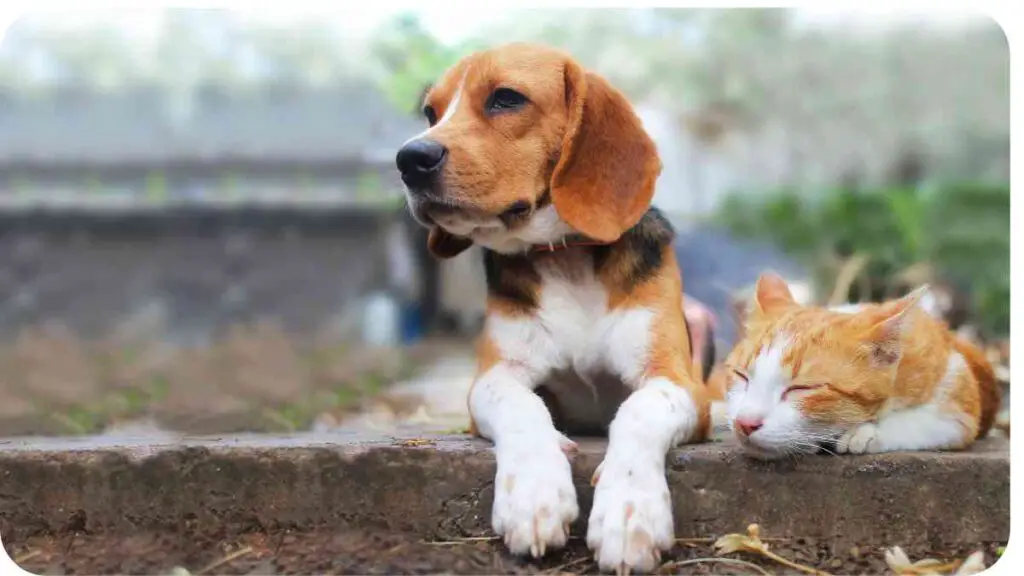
(441, 487)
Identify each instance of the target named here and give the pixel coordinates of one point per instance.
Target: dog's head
(525, 146)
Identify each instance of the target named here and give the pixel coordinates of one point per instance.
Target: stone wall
(186, 273)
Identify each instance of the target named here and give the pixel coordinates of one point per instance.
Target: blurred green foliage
(156, 188)
(410, 59)
(962, 230)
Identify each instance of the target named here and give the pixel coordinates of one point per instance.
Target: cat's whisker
(816, 442)
(810, 447)
(826, 450)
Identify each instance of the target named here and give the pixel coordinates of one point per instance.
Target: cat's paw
(863, 439)
(534, 498)
(631, 520)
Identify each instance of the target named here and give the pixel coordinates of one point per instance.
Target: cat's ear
(889, 322)
(772, 294)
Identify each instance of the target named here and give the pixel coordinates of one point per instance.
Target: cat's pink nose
(748, 426)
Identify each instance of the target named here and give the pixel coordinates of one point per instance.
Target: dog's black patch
(639, 254)
(600, 254)
(648, 241)
(511, 279)
(632, 260)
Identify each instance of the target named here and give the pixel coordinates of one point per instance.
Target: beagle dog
(547, 167)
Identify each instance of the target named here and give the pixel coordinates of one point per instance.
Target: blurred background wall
(222, 183)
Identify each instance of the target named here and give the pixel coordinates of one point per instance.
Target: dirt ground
(350, 552)
(254, 379)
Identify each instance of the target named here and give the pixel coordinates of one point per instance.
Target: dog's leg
(631, 521)
(534, 498)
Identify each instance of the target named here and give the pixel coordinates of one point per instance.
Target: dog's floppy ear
(604, 180)
(444, 245)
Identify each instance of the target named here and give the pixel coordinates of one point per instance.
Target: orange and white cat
(863, 379)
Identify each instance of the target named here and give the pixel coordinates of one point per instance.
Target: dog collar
(569, 241)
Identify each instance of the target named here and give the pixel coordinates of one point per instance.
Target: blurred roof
(350, 123)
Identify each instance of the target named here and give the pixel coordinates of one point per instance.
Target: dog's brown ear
(444, 245)
(604, 180)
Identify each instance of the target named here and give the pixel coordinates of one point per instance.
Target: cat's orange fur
(887, 377)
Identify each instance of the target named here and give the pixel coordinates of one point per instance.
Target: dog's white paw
(534, 498)
(631, 520)
(863, 439)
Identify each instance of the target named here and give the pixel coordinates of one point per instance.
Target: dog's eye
(505, 99)
(430, 114)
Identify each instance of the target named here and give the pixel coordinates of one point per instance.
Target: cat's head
(802, 375)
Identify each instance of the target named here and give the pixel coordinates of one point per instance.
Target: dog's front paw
(631, 520)
(534, 498)
(862, 439)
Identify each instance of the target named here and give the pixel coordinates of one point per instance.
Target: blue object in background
(412, 323)
(715, 263)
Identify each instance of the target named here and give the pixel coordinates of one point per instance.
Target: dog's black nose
(419, 161)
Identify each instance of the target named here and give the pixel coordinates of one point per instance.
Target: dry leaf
(900, 564)
(974, 564)
(731, 543)
(751, 542)
(754, 531)
(897, 559)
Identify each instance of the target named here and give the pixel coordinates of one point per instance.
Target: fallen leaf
(731, 543)
(897, 559)
(974, 564)
(900, 564)
(751, 542)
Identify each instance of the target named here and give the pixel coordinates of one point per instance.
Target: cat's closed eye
(801, 388)
(741, 375)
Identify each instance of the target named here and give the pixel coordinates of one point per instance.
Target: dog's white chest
(573, 328)
(571, 311)
(584, 354)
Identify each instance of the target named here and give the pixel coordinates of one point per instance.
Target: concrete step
(440, 488)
